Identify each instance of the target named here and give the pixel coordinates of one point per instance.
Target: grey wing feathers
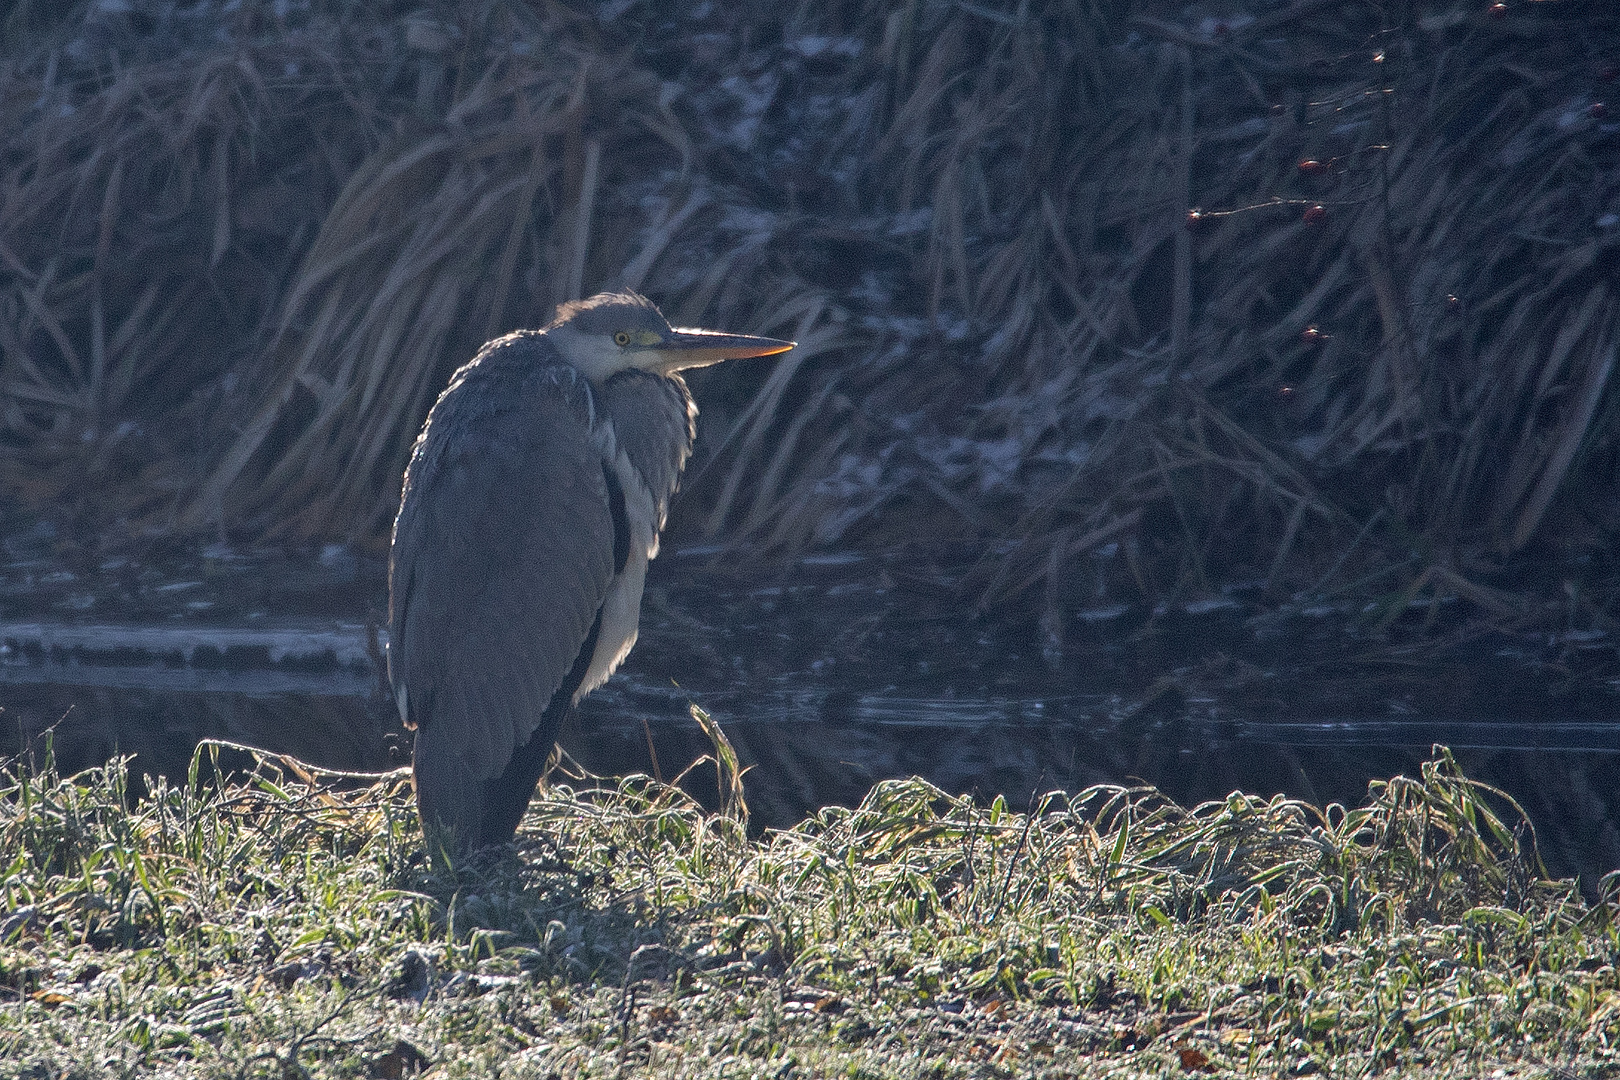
(502, 556)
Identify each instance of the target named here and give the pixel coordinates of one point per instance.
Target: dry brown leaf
(1192, 1059)
(402, 1061)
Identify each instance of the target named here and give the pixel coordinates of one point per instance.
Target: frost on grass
(285, 923)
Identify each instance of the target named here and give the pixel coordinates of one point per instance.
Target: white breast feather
(621, 607)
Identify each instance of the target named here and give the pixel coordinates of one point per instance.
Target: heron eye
(621, 338)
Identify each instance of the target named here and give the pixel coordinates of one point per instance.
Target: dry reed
(240, 254)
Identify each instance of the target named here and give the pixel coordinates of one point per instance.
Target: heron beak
(685, 348)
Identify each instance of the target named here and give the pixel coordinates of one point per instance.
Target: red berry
(1312, 167)
(1496, 11)
(1315, 215)
(1453, 303)
(1597, 110)
(1285, 392)
(1195, 218)
(1313, 335)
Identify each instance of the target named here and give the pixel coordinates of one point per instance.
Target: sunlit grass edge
(282, 921)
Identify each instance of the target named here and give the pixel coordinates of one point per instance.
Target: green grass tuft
(287, 924)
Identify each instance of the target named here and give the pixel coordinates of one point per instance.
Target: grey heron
(532, 503)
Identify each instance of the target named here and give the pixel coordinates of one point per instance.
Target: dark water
(838, 672)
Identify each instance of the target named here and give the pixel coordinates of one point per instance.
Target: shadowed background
(1220, 396)
(241, 250)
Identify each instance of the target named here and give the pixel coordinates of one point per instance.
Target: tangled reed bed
(286, 919)
(240, 251)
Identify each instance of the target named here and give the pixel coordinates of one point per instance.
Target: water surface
(840, 671)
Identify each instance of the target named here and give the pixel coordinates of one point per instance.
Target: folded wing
(502, 555)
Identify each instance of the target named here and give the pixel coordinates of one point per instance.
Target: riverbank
(287, 924)
(1144, 302)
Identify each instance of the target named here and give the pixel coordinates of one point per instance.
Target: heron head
(613, 332)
